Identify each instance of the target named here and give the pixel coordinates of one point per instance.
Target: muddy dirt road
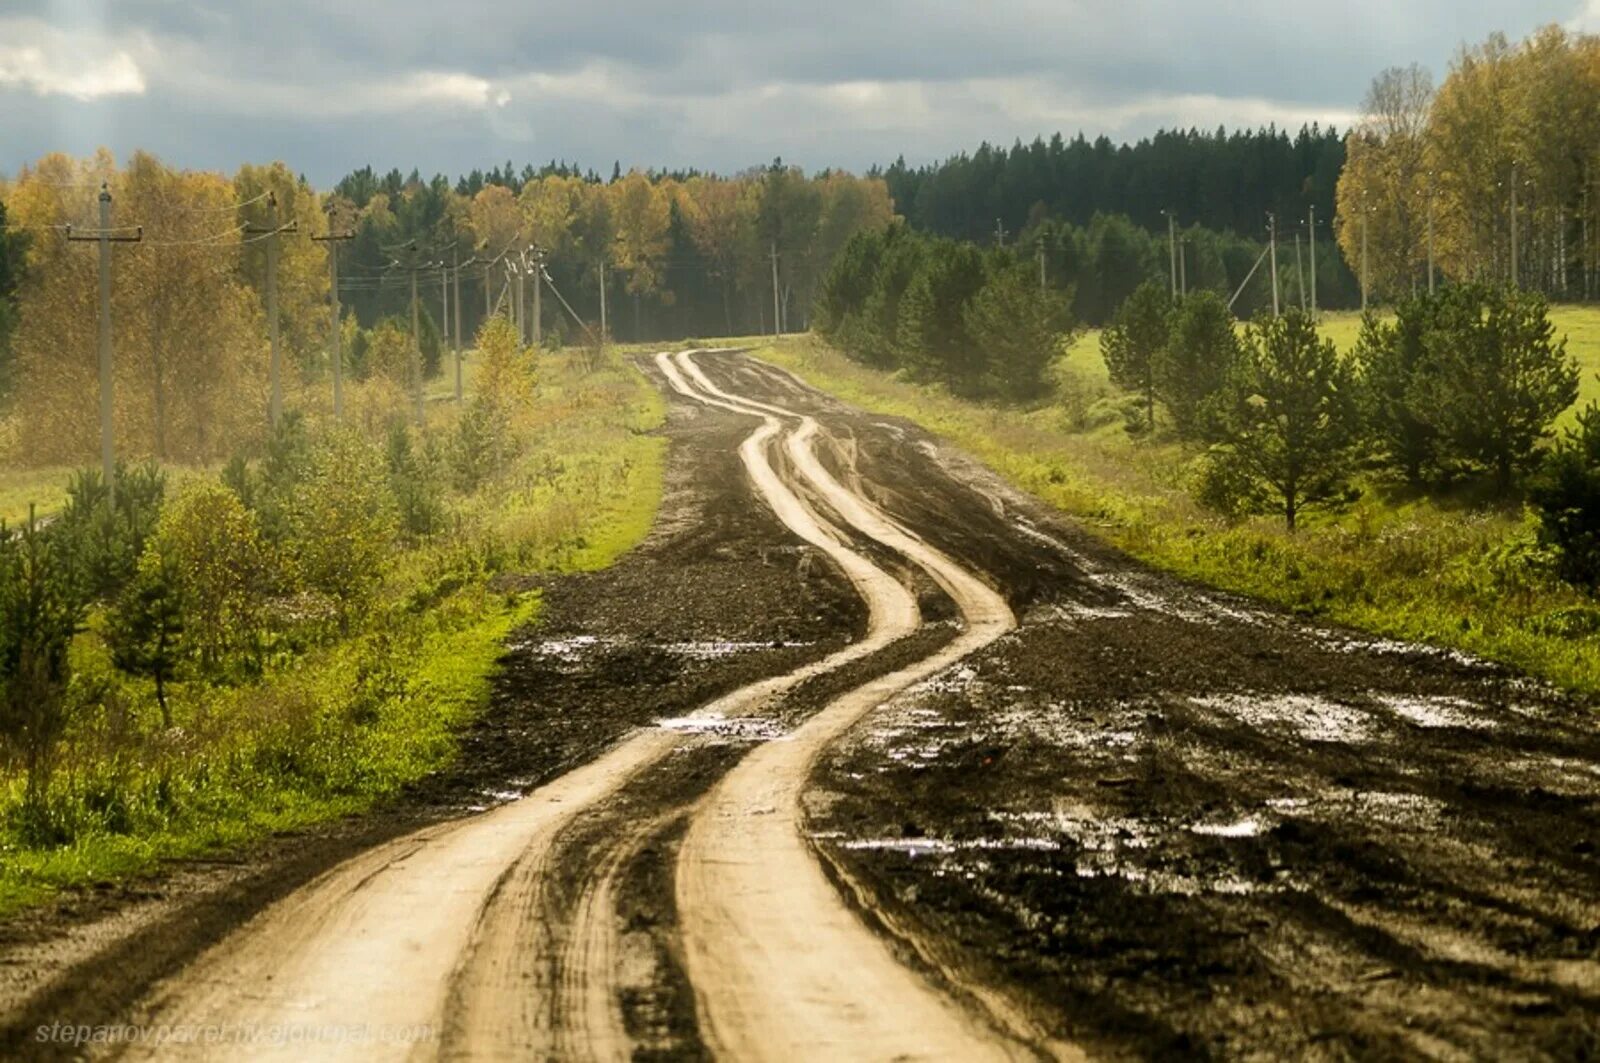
(863, 755)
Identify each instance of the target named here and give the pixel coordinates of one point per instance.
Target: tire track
(781, 967)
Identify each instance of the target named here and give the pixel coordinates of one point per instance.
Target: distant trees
(943, 311)
(1513, 126)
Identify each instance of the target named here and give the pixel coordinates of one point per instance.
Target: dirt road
(865, 755)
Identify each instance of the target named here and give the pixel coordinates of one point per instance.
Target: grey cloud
(329, 85)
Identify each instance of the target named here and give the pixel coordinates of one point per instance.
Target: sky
(452, 85)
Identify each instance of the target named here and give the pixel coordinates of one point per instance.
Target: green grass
(334, 730)
(1436, 571)
(44, 490)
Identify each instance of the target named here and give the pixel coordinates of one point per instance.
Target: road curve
(440, 931)
(782, 969)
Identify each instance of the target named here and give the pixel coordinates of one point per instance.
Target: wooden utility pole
(105, 238)
(335, 339)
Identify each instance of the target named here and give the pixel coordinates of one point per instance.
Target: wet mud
(1177, 823)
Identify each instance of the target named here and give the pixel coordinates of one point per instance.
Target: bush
(145, 631)
(104, 532)
(1017, 330)
(1567, 498)
(343, 523)
(418, 500)
(213, 546)
(40, 609)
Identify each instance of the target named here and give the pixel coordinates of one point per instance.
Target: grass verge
(343, 725)
(1416, 569)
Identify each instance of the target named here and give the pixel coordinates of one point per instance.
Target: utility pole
(270, 233)
(777, 325)
(538, 296)
(1272, 245)
(1430, 231)
(1183, 267)
(1312, 230)
(1513, 225)
(1299, 274)
(1041, 265)
(104, 237)
(1172, 249)
(335, 339)
(1363, 252)
(999, 233)
(455, 281)
(416, 350)
(602, 306)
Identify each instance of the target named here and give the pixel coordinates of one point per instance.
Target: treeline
(189, 300)
(1463, 384)
(974, 319)
(1499, 164)
(684, 254)
(1224, 181)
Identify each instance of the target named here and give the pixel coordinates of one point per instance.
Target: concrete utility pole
(1312, 230)
(104, 237)
(602, 306)
(416, 350)
(999, 233)
(1430, 232)
(1272, 247)
(335, 339)
(1172, 249)
(538, 296)
(1299, 273)
(271, 232)
(777, 324)
(1041, 265)
(455, 281)
(1363, 252)
(1513, 225)
(1183, 267)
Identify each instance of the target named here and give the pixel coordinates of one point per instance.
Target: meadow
(1448, 570)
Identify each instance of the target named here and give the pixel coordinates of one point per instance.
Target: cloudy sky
(328, 85)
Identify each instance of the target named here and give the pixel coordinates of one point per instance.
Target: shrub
(1567, 498)
(40, 609)
(1194, 366)
(213, 545)
(104, 532)
(343, 523)
(1017, 330)
(145, 631)
(412, 480)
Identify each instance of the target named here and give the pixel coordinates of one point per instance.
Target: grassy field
(347, 723)
(1434, 570)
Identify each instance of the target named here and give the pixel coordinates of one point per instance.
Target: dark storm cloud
(716, 83)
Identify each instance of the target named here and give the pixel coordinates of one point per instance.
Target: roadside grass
(338, 728)
(1441, 571)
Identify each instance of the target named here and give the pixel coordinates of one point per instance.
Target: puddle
(730, 728)
(1244, 828)
(926, 846)
(575, 647)
(1434, 712)
(1312, 718)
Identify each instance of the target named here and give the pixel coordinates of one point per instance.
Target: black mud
(716, 597)
(1178, 824)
